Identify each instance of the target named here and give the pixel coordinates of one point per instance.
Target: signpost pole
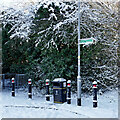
(79, 77)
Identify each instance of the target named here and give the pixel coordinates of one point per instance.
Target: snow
(16, 4)
(52, 15)
(94, 82)
(59, 79)
(13, 107)
(22, 107)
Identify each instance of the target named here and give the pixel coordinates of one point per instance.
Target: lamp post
(79, 77)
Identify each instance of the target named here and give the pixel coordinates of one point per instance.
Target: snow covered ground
(21, 107)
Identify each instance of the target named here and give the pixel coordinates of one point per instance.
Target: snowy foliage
(20, 20)
(52, 25)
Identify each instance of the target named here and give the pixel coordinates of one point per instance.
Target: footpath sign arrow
(87, 41)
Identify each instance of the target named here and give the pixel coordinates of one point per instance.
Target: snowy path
(21, 107)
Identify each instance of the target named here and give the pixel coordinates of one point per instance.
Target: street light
(79, 77)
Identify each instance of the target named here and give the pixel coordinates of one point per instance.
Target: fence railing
(20, 80)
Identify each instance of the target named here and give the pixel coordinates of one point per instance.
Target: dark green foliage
(14, 55)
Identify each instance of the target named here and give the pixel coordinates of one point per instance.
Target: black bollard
(13, 87)
(29, 89)
(68, 92)
(47, 90)
(94, 94)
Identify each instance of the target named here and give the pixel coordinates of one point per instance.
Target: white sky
(21, 3)
(15, 3)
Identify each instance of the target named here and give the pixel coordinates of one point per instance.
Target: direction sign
(87, 41)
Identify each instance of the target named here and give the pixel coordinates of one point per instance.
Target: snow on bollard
(13, 87)
(29, 88)
(47, 90)
(94, 94)
(68, 92)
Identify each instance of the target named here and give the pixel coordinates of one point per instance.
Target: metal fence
(20, 80)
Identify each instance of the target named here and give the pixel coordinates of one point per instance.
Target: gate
(20, 80)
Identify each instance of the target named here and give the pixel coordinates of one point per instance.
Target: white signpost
(87, 41)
